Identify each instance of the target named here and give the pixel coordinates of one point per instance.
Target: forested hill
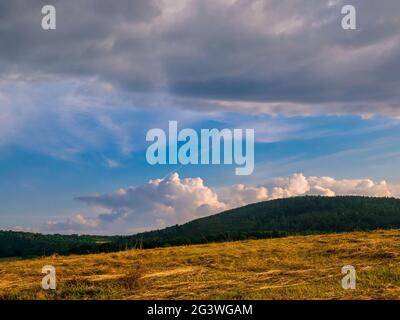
(276, 218)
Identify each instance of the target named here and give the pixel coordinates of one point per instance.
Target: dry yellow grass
(303, 267)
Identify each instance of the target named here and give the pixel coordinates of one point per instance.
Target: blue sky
(37, 187)
(76, 103)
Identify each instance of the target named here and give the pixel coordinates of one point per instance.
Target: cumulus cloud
(156, 204)
(365, 187)
(172, 200)
(290, 187)
(240, 195)
(298, 185)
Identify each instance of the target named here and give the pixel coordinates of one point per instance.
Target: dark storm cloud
(86, 42)
(286, 51)
(298, 53)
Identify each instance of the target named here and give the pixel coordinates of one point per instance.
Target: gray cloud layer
(286, 56)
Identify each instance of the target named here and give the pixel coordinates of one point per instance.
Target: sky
(76, 104)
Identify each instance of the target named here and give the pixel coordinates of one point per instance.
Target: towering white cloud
(292, 186)
(159, 203)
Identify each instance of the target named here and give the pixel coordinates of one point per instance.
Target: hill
(282, 217)
(269, 219)
(299, 267)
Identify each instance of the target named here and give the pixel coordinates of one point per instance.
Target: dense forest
(269, 219)
(25, 244)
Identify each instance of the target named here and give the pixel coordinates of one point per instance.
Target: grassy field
(303, 267)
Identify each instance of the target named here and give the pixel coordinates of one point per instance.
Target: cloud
(75, 224)
(365, 187)
(110, 163)
(159, 203)
(94, 84)
(271, 56)
(172, 200)
(292, 186)
(239, 195)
